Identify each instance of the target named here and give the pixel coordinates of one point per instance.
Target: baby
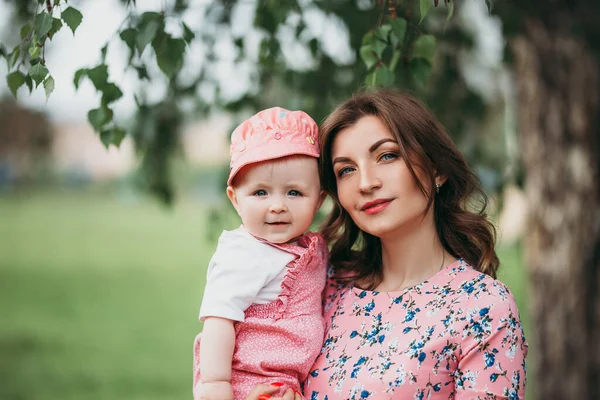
(262, 301)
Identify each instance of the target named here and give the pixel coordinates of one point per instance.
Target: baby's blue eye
(294, 193)
(260, 192)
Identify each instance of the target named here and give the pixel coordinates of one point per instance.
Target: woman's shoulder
(477, 289)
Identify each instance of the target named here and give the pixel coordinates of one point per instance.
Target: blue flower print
(456, 335)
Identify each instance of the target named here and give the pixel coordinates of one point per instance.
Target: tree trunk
(557, 78)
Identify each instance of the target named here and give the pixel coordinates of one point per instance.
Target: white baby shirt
(243, 271)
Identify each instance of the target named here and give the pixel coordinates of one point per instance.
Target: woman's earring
(437, 187)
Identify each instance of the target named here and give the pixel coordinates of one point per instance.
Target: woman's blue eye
(294, 193)
(388, 157)
(260, 192)
(344, 171)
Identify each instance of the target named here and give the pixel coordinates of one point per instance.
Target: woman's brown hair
(459, 207)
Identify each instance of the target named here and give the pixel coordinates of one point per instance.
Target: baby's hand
(218, 390)
(265, 392)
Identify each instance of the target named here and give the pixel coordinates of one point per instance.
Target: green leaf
(367, 53)
(421, 70)
(142, 72)
(188, 35)
(38, 72)
(424, 7)
(43, 24)
(3, 52)
(376, 44)
(29, 83)
(148, 28)
(424, 47)
(112, 136)
(106, 137)
(129, 36)
(99, 117)
(150, 16)
(146, 35)
(368, 39)
(56, 25)
(35, 51)
(98, 76)
(450, 10)
(395, 58)
(48, 86)
(169, 53)
(399, 28)
(111, 93)
(383, 76)
(15, 80)
(379, 47)
(370, 79)
(488, 3)
(13, 57)
(25, 30)
(118, 136)
(383, 32)
(79, 75)
(450, 6)
(103, 51)
(72, 18)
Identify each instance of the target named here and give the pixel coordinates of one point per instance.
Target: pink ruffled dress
(279, 341)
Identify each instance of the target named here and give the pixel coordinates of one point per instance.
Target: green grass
(99, 297)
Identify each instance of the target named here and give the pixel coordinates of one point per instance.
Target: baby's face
(277, 200)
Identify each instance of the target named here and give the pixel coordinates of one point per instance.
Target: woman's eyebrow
(373, 147)
(340, 159)
(379, 143)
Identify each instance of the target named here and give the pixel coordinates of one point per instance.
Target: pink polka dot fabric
(279, 341)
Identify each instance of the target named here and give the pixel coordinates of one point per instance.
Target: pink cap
(270, 134)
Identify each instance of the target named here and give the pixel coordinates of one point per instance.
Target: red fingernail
(264, 397)
(278, 384)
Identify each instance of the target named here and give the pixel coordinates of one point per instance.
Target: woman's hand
(264, 392)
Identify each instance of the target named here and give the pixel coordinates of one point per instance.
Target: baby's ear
(232, 198)
(322, 197)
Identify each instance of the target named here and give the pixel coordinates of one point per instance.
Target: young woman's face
(374, 185)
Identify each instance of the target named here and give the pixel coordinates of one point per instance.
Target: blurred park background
(105, 239)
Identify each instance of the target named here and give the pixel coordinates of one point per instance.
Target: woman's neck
(412, 256)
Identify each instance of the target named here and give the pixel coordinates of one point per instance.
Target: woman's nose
(368, 180)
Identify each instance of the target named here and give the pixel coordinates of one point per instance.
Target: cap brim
(271, 153)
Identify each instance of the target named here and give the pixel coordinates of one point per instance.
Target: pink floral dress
(279, 341)
(455, 336)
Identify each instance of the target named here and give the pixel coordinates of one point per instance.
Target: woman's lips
(376, 206)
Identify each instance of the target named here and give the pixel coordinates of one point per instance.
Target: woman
(413, 309)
